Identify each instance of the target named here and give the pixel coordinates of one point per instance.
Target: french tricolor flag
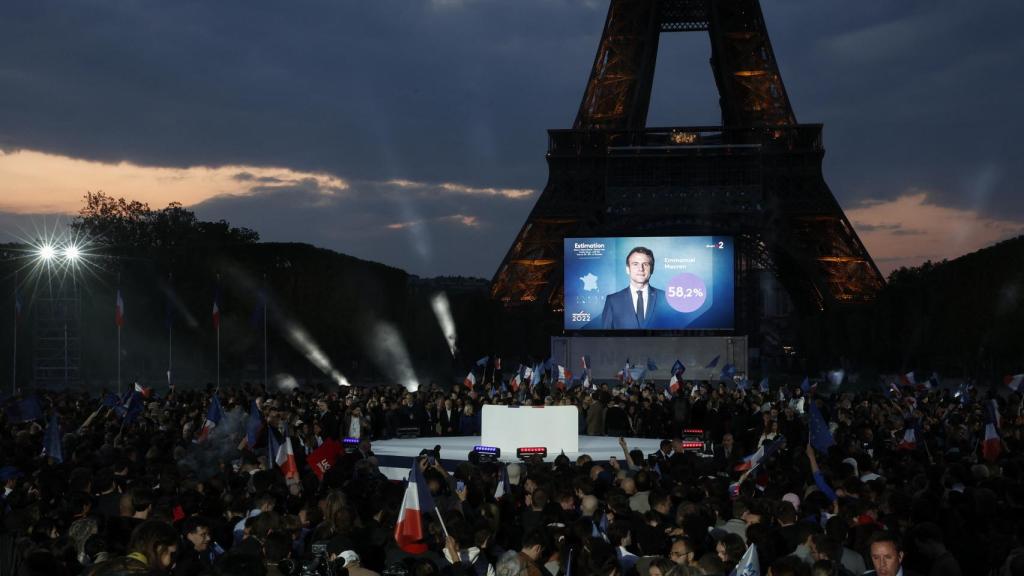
(470, 380)
(909, 379)
(991, 444)
(410, 531)
(146, 392)
(673, 384)
(216, 309)
(909, 440)
(1013, 382)
(214, 414)
(763, 453)
(119, 310)
(564, 374)
(282, 454)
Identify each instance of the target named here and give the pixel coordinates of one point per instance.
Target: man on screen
(635, 307)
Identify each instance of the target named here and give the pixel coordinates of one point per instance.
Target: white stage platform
(396, 456)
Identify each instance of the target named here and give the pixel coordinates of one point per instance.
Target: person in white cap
(353, 565)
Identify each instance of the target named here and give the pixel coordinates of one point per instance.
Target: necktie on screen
(640, 307)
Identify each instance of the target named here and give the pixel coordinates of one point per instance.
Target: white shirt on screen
(647, 298)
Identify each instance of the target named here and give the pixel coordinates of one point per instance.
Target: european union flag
(820, 435)
(728, 372)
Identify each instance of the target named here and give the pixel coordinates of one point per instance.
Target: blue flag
(820, 435)
(713, 363)
(53, 446)
(748, 564)
(537, 372)
(728, 372)
(651, 366)
(764, 384)
(483, 361)
(678, 368)
(132, 406)
(254, 426)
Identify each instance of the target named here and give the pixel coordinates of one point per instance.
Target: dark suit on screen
(619, 312)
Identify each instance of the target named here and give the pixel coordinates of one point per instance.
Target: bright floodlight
(72, 253)
(47, 252)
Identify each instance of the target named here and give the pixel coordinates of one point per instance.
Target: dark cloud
(425, 229)
(913, 94)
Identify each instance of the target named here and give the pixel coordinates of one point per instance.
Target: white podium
(508, 428)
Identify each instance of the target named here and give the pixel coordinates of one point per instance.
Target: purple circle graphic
(686, 292)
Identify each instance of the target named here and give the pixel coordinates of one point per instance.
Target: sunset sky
(413, 132)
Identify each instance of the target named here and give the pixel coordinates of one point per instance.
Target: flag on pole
(991, 444)
(410, 531)
(470, 380)
(651, 366)
(254, 426)
(909, 440)
(143, 391)
(1014, 381)
(820, 435)
(713, 363)
(503, 484)
(216, 308)
(637, 374)
(908, 379)
(131, 406)
(282, 455)
(728, 372)
(673, 384)
(762, 454)
(517, 379)
(53, 446)
(214, 414)
(748, 564)
(763, 385)
(483, 361)
(119, 310)
(323, 458)
(563, 374)
(678, 368)
(536, 375)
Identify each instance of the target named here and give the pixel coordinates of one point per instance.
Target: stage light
(47, 252)
(531, 451)
(488, 450)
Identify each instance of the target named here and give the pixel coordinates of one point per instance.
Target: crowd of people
(892, 480)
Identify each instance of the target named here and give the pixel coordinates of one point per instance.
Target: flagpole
(218, 331)
(264, 333)
(14, 364)
(119, 340)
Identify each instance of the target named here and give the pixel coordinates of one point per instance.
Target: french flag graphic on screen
(417, 503)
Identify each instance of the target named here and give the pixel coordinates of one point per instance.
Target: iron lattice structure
(57, 346)
(756, 177)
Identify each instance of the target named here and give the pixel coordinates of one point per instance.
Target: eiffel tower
(756, 177)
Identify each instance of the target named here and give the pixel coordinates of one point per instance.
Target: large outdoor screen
(649, 283)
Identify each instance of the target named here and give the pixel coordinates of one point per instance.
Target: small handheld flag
(214, 414)
(410, 531)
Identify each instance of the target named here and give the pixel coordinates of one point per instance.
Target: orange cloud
(37, 182)
(909, 230)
